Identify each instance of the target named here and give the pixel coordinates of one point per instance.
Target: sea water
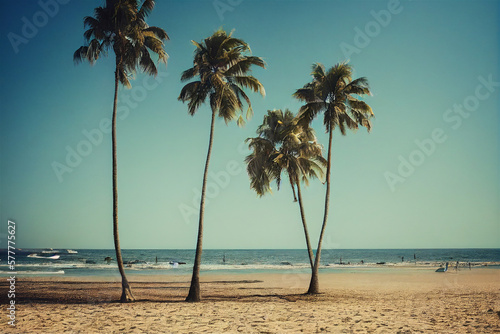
(89, 262)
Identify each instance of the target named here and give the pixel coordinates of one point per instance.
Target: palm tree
(337, 95)
(283, 145)
(221, 65)
(120, 25)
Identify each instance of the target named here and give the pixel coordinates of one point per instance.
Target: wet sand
(363, 301)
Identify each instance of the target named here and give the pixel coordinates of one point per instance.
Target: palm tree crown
(283, 145)
(221, 64)
(337, 95)
(120, 25)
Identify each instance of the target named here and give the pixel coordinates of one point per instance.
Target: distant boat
(442, 270)
(37, 256)
(71, 251)
(50, 251)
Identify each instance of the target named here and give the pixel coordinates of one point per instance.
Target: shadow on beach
(96, 292)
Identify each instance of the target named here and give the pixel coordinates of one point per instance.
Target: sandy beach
(394, 301)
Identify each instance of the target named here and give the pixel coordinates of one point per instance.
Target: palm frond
(147, 64)
(229, 104)
(195, 94)
(80, 54)
(360, 106)
(318, 71)
(88, 53)
(123, 77)
(309, 111)
(158, 32)
(189, 74)
(241, 65)
(146, 8)
(306, 94)
(155, 45)
(250, 82)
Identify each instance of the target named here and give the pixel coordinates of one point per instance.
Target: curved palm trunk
(314, 284)
(127, 295)
(306, 233)
(293, 189)
(194, 294)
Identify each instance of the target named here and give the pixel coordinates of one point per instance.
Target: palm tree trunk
(293, 188)
(127, 295)
(194, 294)
(314, 284)
(306, 233)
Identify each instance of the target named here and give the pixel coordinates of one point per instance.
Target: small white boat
(37, 256)
(70, 251)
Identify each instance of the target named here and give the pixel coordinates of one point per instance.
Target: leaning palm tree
(221, 65)
(337, 96)
(120, 25)
(284, 146)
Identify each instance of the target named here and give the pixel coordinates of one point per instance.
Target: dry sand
(396, 301)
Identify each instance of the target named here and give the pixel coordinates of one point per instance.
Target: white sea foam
(252, 266)
(33, 272)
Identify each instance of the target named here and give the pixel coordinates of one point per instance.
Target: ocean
(91, 262)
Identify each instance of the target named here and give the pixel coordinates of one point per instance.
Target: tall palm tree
(221, 65)
(284, 146)
(337, 96)
(120, 25)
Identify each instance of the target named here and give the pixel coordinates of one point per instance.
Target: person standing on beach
(402, 259)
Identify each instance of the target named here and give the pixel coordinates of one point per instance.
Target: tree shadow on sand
(96, 293)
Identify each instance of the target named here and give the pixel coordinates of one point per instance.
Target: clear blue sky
(428, 63)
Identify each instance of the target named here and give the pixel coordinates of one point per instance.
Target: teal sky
(427, 176)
